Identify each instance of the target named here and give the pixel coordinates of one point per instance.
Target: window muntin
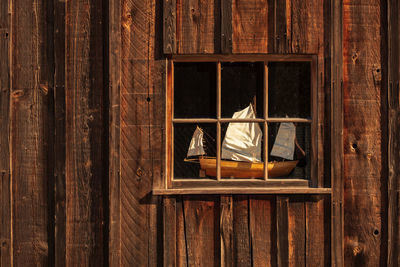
(224, 88)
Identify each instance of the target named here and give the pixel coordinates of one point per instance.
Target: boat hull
(239, 169)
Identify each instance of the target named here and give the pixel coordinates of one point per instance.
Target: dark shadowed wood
(364, 107)
(241, 231)
(30, 138)
(202, 230)
(280, 25)
(196, 26)
(296, 231)
(282, 230)
(337, 134)
(181, 244)
(393, 134)
(170, 231)
(250, 26)
(86, 134)
(226, 26)
(262, 230)
(226, 230)
(5, 196)
(317, 231)
(59, 124)
(114, 53)
(169, 13)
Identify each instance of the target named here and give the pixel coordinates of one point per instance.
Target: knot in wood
(139, 172)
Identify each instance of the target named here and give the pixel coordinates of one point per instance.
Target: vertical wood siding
(365, 173)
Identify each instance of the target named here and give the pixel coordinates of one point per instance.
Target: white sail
(196, 147)
(242, 141)
(284, 142)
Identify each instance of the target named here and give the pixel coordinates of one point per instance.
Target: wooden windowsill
(243, 190)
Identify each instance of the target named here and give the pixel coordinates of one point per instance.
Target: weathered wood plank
(226, 26)
(86, 136)
(181, 247)
(262, 231)
(363, 55)
(170, 231)
(141, 118)
(30, 134)
(317, 237)
(241, 233)
(282, 230)
(305, 26)
(226, 230)
(59, 141)
(5, 196)
(296, 231)
(202, 230)
(198, 21)
(250, 26)
(337, 181)
(280, 25)
(114, 74)
(392, 83)
(169, 12)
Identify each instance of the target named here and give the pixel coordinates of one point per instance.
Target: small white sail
(284, 142)
(242, 141)
(196, 147)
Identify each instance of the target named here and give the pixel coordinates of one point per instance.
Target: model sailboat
(241, 150)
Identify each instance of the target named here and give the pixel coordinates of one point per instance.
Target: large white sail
(242, 141)
(196, 147)
(284, 142)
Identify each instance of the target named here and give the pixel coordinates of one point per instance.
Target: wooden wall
(82, 121)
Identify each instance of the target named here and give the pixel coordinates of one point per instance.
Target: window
(228, 115)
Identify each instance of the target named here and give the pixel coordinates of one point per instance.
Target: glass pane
(289, 89)
(286, 159)
(242, 150)
(195, 90)
(242, 84)
(187, 161)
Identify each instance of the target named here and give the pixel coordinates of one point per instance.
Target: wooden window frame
(173, 186)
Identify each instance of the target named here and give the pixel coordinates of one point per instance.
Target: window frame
(239, 186)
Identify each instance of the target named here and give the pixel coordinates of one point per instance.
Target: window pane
(242, 84)
(281, 149)
(183, 135)
(242, 150)
(195, 90)
(289, 89)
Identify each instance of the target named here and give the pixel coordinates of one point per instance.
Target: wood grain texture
(250, 26)
(241, 231)
(281, 16)
(198, 26)
(86, 134)
(30, 135)
(297, 231)
(262, 230)
(364, 109)
(226, 230)
(282, 230)
(141, 120)
(202, 230)
(170, 231)
(226, 26)
(5, 193)
(114, 74)
(318, 247)
(59, 127)
(337, 181)
(181, 244)
(169, 18)
(392, 84)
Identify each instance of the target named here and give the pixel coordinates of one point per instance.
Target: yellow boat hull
(238, 169)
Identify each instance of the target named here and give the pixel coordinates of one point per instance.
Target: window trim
(238, 186)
